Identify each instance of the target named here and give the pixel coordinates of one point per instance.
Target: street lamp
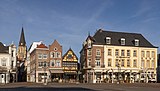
(112, 75)
(119, 70)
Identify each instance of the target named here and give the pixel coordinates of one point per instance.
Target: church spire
(22, 41)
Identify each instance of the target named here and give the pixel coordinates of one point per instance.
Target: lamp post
(119, 70)
(112, 75)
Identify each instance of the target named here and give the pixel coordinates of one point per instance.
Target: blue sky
(69, 21)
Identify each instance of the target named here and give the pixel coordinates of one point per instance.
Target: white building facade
(118, 57)
(7, 63)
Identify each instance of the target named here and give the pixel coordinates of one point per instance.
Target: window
(134, 53)
(69, 56)
(116, 63)
(109, 52)
(128, 63)
(40, 64)
(148, 64)
(55, 55)
(89, 62)
(109, 62)
(98, 52)
(108, 40)
(39, 56)
(142, 63)
(45, 64)
(52, 54)
(136, 42)
(12, 53)
(153, 54)
(134, 63)
(117, 52)
(98, 63)
(58, 63)
(89, 44)
(44, 56)
(143, 54)
(55, 49)
(128, 52)
(89, 52)
(12, 64)
(122, 41)
(122, 63)
(52, 63)
(152, 63)
(3, 62)
(148, 54)
(122, 53)
(58, 55)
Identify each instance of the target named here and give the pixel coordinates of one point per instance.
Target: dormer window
(122, 41)
(136, 41)
(108, 40)
(89, 44)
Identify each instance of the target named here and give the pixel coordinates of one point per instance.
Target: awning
(72, 73)
(56, 71)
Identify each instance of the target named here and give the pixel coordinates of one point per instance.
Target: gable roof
(41, 46)
(33, 46)
(100, 38)
(56, 42)
(67, 53)
(4, 49)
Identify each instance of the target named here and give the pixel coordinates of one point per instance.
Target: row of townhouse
(106, 56)
(46, 64)
(113, 57)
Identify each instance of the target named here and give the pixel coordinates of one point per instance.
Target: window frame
(123, 41)
(117, 52)
(134, 63)
(109, 62)
(136, 42)
(122, 52)
(98, 52)
(128, 53)
(134, 53)
(109, 52)
(108, 40)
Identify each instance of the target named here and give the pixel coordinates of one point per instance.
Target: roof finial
(88, 33)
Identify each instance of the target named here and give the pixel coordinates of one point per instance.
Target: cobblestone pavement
(24, 86)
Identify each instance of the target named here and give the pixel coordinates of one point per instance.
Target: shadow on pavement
(46, 89)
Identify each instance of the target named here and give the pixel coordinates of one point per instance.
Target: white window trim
(99, 52)
(136, 42)
(123, 39)
(108, 42)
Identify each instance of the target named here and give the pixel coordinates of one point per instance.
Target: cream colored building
(118, 57)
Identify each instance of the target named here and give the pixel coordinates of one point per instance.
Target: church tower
(21, 58)
(22, 48)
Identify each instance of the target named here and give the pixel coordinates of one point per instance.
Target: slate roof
(42, 46)
(22, 41)
(4, 49)
(100, 38)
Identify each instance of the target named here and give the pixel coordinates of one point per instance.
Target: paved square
(80, 87)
